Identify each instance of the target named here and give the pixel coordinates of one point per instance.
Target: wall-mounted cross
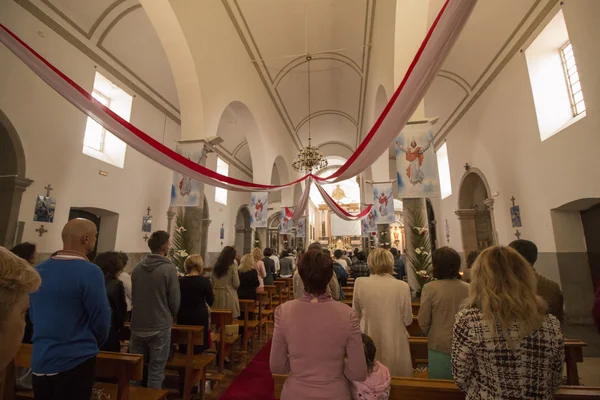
(518, 234)
(41, 230)
(148, 209)
(146, 237)
(513, 200)
(48, 188)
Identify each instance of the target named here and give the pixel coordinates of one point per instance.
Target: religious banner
(383, 200)
(368, 225)
(286, 225)
(185, 192)
(259, 202)
(301, 227)
(416, 163)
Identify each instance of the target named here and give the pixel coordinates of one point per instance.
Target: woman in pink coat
(312, 337)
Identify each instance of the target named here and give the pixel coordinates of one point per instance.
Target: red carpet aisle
(255, 382)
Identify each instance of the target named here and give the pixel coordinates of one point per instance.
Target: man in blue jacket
(71, 317)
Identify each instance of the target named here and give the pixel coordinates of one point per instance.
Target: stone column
(412, 205)
(11, 192)
(489, 204)
(170, 214)
(204, 242)
(193, 216)
(262, 236)
(468, 230)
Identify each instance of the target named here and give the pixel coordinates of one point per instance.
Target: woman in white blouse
(384, 306)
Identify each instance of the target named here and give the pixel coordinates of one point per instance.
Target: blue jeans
(155, 350)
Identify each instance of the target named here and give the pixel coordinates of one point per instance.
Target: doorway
(12, 180)
(591, 228)
(243, 232)
(475, 212)
(432, 225)
(273, 232)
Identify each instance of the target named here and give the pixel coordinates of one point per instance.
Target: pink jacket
(376, 387)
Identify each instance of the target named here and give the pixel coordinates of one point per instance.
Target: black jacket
(116, 298)
(248, 284)
(271, 271)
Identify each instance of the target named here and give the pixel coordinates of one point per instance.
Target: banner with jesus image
(383, 203)
(301, 227)
(286, 224)
(259, 202)
(416, 163)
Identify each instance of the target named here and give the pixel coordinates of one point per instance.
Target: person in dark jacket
(399, 266)
(111, 264)
(286, 265)
(196, 296)
(269, 267)
(340, 273)
(248, 282)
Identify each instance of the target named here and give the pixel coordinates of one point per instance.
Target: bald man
(71, 317)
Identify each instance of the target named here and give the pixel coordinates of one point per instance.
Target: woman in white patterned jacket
(505, 345)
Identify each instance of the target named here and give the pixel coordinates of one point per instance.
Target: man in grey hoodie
(155, 301)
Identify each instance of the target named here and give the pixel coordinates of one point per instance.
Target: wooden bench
(193, 365)
(433, 389)
(120, 366)
(222, 318)
(249, 325)
(573, 355)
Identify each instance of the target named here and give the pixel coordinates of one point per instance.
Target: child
(378, 383)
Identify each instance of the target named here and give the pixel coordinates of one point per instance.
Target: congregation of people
(495, 329)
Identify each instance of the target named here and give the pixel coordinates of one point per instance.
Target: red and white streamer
(339, 210)
(421, 73)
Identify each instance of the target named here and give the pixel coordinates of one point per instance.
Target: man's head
(159, 243)
(527, 249)
(17, 280)
(361, 255)
(79, 235)
(394, 252)
(338, 254)
(315, 246)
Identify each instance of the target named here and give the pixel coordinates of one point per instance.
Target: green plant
(420, 256)
(384, 238)
(180, 246)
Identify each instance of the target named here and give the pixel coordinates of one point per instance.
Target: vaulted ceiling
(278, 36)
(273, 38)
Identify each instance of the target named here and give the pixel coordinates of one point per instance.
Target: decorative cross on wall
(513, 200)
(148, 209)
(518, 234)
(145, 237)
(48, 188)
(41, 230)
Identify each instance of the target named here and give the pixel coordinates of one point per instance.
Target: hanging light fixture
(310, 158)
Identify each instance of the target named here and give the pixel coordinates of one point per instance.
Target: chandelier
(309, 159)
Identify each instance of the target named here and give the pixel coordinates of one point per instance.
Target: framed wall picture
(147, 223)
(44, 209)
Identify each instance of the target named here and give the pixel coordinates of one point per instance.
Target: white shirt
(276, 260)
(342, 262)
(126, 279)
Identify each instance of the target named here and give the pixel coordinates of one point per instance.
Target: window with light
(97, 141)
(444, 171)
(572, 77)
(220, 193)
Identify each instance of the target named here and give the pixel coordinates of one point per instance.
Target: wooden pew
(222, 318)
(194, 365)
(433, 389)
(416, 305)
(573, 355)
(122, 366)
(249, 325)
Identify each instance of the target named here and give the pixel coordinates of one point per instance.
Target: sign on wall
(416, 164)
(185, 192)
(259, 202)
(383, 203)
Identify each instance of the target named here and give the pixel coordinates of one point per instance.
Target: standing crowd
(496, 330)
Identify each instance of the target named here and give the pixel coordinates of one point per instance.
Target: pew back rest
(433, 389)
(187, 334)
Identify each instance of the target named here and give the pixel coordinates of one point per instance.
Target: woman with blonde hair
(504, 345)
(196, 296)
(248, 278)
(17, 280)
(384, 306)
(259, 265)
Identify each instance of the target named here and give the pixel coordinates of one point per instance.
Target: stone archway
(475, 212)
(243, 232)
(12, 180)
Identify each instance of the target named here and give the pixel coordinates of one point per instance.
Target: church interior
(248, 85)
